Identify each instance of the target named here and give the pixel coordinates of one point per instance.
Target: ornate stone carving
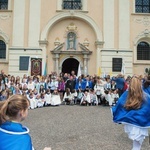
(86, 43)
(4, 16)
(144, 20)
(71, 27)
(57, 42)
(145, 33)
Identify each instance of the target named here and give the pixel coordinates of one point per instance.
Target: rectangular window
(2, 50)
(3, 4)
(24, 63)
(142, 6)
(143, 55)
(72, 4)
(116, 64)
(3, 54)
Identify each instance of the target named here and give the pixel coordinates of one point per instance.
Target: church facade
(38, 37)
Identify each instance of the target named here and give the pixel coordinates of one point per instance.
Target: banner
(123, 67)
(99, 71)
(36, 66)
(45, 70)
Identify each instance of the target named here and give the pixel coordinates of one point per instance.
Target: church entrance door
(69, 65)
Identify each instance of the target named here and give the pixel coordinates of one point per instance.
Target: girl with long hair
(13, 135)
(132, 110)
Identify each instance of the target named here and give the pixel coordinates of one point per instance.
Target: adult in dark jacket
(120, 82)
(70, 83)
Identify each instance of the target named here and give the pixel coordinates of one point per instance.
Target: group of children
(90, 97)
(54, 90)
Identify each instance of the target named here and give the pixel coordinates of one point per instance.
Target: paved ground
(77, 128)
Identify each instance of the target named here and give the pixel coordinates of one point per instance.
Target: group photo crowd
(127, 97)
(67, 89)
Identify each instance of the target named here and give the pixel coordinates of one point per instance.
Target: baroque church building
(42, 36)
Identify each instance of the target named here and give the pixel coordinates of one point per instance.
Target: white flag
(123, 67)
(29, 67)
(104, 73)
(79, 71)
(85, 70)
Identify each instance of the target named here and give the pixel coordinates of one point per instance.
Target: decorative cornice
(143, 34)
(25, 49)
(143, 20)
(98, 43)
(58, 50)
(43, 42)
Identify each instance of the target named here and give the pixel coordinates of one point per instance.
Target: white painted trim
(124, 24)
(34, 21)
(133, 6)
(18, 23)
(109, 23)
(136, 42)
(9, 4)
(71, 14)
(4, 37)
(59, 4)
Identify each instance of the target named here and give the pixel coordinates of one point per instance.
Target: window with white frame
(3, 4)
(142, 6)
(143, 51)
(2, 50)
(72, 4)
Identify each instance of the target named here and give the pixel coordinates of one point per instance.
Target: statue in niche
(71, 41)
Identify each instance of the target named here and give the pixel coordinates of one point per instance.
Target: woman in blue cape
(14, 136)
(146, 84)
(133, 110)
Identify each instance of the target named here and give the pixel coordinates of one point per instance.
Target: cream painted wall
(114, 20)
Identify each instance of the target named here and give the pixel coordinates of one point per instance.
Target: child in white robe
(108, 98)
(86, 100)
(48, 97)
(55, 101)
(93, 95)
(33, 103)
(39, 101)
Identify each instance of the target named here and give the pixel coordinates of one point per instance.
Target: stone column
(99, 45)
(43, 45)
(85, 64)
(56, 66)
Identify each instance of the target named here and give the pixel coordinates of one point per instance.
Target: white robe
(55, 100)
(48, 98)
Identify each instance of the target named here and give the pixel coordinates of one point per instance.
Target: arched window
(71, 40)
(3, 4)
(143, 51)
(2, 50)
(142, 6)
(72, 4)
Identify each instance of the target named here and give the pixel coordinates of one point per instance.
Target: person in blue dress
(146, 85)
(133, 110)
(13, 135)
